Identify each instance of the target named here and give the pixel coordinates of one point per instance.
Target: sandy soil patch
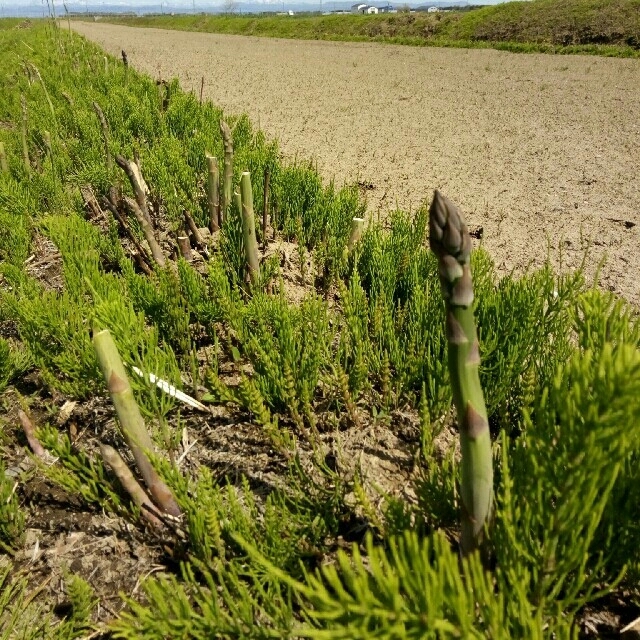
(539, 150)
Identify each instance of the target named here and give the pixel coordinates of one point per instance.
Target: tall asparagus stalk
(265, 206)
(450, 241)
(23, 131)
(213, 193)
(131, 421)
(227, 182)
(104, 127)
(249, 228)
(4, 167)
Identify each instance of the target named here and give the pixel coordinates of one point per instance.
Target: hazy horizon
(202, 4)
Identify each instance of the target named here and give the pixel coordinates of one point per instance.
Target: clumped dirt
(540, 151)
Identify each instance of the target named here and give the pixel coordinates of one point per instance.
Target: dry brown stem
(30, 433)
(105, 133)
(137, 183)
(197, 236)
(130, 484)
(141, 256)
(147, 229)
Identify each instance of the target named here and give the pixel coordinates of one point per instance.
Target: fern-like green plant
(413, 588)
(558, 478)
(12, 517)
(77, 472)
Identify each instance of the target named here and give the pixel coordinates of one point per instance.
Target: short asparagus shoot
(249, 228)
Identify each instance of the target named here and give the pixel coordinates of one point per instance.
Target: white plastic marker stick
(163, 385)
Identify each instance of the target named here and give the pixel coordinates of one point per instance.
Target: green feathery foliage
(77, 472)
(12, 518)
(23, 615)
(14, 362)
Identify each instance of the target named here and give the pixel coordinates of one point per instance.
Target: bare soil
(540, 151)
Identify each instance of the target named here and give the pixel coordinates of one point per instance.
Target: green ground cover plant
(128, 278)
(598, 27)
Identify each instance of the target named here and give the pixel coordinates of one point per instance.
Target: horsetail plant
(449, 239)
(131, 420)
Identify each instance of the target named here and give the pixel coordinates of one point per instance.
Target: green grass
(359, 349)
(598, 27)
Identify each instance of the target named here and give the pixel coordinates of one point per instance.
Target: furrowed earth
(541, 151)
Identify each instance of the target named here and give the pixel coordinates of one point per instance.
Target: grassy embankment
(599, 27)
(336, 348)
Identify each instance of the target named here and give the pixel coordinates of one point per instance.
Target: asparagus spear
(227, 179)
(450, 241)
(249, 228)
(131, 421)
(213, 193)
(4, 167)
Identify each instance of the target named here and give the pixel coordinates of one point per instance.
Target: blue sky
(202, 3)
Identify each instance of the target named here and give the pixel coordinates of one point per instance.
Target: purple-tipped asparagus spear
(450, 241)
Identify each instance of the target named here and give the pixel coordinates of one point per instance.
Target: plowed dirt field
(540, 151)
